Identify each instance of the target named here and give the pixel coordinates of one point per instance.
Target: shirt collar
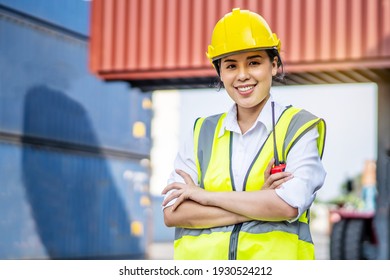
(230, 122)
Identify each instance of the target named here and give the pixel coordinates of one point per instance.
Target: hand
(184, 191)
(274, 181)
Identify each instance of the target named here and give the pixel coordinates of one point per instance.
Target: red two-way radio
(278, 165)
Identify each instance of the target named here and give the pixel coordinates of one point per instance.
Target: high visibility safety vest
(253, 240)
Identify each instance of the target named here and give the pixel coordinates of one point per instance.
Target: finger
(269, 182)
(277, 184)
(177, 203)
(170, 197)
(279, 176)
(167, 188)
(174, 185)
(187, 178)
(269, 166)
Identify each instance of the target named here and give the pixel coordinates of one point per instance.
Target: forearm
(193, 215)
(263, 205)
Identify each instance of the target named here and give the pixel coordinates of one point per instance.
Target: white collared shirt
(303, 160)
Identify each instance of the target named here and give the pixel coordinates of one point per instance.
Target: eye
(254, 62)
(230, 66)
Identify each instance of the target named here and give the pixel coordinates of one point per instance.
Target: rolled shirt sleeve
(184, 161)
(309, 174)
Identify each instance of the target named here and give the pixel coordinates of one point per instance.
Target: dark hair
(272, 53)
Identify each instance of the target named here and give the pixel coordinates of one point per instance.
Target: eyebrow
(248, 58)
(254, 56)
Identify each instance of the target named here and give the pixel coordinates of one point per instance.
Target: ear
(275, 66)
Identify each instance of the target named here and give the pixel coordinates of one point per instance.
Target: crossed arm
(198, 208)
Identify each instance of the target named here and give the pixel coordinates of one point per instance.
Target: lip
(245, 89)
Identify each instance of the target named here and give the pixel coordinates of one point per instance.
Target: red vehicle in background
(353, 235)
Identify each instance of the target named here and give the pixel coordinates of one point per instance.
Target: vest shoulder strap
(204, 133)
(301, 121)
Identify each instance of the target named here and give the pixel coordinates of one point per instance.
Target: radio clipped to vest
(279, 166)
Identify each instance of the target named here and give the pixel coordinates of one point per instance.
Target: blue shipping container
(74, 150)
(72, 15)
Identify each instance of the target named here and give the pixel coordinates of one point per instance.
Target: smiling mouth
(245, 89)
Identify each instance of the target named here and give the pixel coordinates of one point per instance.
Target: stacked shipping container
(74, 150)
(162, 43)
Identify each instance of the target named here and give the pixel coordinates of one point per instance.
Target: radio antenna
(274, 134)
(278, 166)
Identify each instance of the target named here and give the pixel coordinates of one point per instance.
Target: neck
(246, 117)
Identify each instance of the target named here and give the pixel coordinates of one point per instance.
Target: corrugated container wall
(167, 39)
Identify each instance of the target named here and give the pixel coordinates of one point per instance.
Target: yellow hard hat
(241, 30)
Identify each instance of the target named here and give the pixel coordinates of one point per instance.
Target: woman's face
(247, 78)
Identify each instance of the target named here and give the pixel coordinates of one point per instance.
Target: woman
(222, 198)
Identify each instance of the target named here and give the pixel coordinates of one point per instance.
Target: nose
(243, 74)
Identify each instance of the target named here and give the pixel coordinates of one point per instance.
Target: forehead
(245, 55)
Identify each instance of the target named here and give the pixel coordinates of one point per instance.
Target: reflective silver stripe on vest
(297, 227)
(205, 144)
(179, 232)
(297, 121)
(255, 227)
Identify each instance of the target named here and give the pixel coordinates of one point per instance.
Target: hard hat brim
(243, 51)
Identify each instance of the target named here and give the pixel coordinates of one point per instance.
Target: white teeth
(245, 88)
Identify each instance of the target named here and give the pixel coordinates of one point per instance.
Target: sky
(349, 110)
